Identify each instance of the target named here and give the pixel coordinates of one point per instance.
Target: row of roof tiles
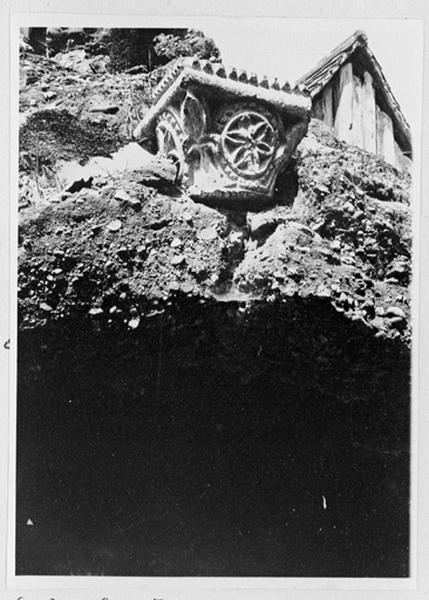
(219, 70)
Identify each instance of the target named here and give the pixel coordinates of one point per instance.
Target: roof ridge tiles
(218, 69)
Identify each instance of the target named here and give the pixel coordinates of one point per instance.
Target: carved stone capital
(226, 139)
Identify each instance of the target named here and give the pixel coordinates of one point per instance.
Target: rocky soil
(111, 248)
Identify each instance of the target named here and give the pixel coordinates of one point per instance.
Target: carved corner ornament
(228, 133)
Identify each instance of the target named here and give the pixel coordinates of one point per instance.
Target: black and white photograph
(216, 263)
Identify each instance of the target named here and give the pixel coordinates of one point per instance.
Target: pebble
(108, 109)
(320, 187)
(187, 288)
(207, 234)
(395, 312)
(46, 307)
(178, 260)
(95, 311)
(121, 194)
(176, 243)
(378, 322)
(134, 323)
(114, 225)
(174, 286)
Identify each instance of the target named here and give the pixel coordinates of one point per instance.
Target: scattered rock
(207, 234)
(121, 195)
(107, 109)
(46, 307)
(177, 260)
(395, 312)
(174, 286)
(187, 288)
(159, 223)
(188, 216)
(114, 225)
(134, 323)
(261, 224)
(322, 189)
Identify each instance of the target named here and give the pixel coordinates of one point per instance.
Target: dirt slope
(113, 247)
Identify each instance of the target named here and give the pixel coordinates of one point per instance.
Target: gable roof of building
(357, 44)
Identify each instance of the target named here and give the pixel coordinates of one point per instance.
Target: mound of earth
(112, 246)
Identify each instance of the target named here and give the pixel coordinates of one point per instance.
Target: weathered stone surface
(227, 139)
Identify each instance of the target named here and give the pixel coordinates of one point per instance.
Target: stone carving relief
(169, 135)
(248, 143)
(224, 140)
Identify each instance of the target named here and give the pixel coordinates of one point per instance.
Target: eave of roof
(229, 80)
(318, 77)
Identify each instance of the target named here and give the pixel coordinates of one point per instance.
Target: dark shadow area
(208, 443)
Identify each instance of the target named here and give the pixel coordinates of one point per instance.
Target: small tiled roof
(318, 77)
(228, 79)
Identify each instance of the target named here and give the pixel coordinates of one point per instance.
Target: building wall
(348, 104)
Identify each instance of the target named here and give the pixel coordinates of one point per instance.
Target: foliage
(192, 43)
(154, 47)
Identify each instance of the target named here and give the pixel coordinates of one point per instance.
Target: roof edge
(339, 56)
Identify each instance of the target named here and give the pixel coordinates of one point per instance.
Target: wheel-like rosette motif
(249, 143)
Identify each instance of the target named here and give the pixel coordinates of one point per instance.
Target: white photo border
(154, 14)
